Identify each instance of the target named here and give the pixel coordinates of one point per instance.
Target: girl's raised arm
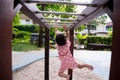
(66, 32)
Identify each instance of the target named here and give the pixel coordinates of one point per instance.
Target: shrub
(99, 40)
(28, 28)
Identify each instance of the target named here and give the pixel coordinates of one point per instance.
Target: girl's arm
(56, 31)
(67, 35)
(66, 32)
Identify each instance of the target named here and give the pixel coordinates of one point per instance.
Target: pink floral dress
(67, 61)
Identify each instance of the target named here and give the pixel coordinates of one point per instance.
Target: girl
(67, 61)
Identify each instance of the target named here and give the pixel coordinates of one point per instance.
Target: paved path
(99, 59)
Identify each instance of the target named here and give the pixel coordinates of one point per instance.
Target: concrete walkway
(99, 59)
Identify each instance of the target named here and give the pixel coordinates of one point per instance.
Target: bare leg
(85, 65)
(61, 74)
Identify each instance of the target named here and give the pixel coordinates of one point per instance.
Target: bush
(24, 47)
(28, 28)
(99, 40)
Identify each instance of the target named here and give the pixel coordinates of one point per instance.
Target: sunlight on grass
(24, 47)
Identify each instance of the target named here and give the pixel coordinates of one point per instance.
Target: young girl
(67, 61)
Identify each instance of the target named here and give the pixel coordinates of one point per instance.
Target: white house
(100, 30)
(25, 20)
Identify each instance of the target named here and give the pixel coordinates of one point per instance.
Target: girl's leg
(85, 65)
(61, 74)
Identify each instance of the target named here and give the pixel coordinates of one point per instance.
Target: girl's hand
(64, 27)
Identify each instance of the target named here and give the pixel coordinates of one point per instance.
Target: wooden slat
(69, 19)
(92, 13)
(61, 2)
(27, 10)
(60, 13)
(61, 22)
(96, 13)
(16, 9)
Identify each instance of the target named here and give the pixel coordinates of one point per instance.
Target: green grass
(24, 47)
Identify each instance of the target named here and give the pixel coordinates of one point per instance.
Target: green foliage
(82, 38)
(20, 36)
(24, 47)
(28, 28)
(59, 8)
(99, 40)
(52, 32)
(80, 28)
(16, 20)
(100, 20)
(110, 33)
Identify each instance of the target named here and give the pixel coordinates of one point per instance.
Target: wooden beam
(60, 13)
(61, 2)
(91, 13)
(16, 9)
(60, 22)
(40, 39)
(36, 18)
(70, 71)
(115, 59)
(69, 19)
(108, 8)
(46, 54)
(6, 15)
(94, 14)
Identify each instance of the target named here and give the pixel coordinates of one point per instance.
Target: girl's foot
(89, 66)
(68, 77)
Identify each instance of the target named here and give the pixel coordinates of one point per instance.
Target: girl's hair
(60, 39)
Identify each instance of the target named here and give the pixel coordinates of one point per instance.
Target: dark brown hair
(60, 39)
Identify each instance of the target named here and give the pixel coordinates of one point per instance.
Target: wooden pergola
(8, 9)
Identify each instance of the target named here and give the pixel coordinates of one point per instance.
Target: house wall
(101, 28)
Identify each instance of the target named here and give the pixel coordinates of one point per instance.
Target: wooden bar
(16, 9)
(109, 9)
(46, 54)
(26, 10)
(61, 22)
(70, 71)
(60, 13)
(115, 61)
(6, 16)
(69, 19)
(40, 40)
(61, 2)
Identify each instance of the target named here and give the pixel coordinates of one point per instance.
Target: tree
(16, 20)
(59, 8)
(100, 20)
(80, 28)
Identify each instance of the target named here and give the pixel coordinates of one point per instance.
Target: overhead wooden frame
(28, 10)
(67, 19)
(60, 22)
(60, 13)
(61, 2)
(92, 11)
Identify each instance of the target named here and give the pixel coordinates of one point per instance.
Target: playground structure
(9, 8)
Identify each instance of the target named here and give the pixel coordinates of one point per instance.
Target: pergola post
(40, 42)
(46, 53)
(71, 49)
(115, 61)
(6, 15)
